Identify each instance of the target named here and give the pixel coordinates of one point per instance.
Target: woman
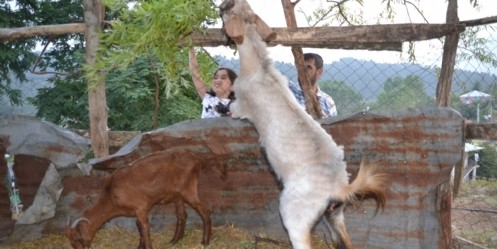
(215, 101)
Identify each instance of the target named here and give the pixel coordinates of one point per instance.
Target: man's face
(312, 71)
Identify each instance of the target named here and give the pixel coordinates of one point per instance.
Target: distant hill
(368, 77)
(29, 89)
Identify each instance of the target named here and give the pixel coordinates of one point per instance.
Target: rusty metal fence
(396, 84)
(361, 81)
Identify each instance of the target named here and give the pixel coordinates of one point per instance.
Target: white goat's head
(238, 13)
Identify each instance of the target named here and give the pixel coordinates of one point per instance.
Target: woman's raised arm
(194, 70)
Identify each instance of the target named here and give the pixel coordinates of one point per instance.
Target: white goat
(305, 158)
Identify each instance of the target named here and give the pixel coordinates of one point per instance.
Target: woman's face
(221, 84)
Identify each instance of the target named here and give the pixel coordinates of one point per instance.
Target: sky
(427, 52)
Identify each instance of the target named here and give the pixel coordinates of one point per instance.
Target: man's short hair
(318, 60)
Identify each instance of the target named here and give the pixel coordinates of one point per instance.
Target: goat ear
(263, 29)
(234, 28)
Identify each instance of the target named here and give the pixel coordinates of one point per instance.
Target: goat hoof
(174, 241)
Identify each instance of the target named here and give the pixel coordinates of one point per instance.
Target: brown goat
(159, 177)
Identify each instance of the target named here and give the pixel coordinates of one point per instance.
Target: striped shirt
(328, 107)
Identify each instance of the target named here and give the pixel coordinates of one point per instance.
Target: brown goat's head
(236, 14)
(78, 236)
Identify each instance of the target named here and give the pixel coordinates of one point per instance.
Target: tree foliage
(474, 47)
(470, 111)
(351, 12)
(399, 93)
(347, 99)
(143, 54)
(488, 161)
(156, 27)
(16, 56)
(130, 99)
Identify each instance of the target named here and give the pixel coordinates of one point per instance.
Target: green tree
(15, 56)
(164, 82)
(149, 27)
(131, 99)
(469, 110)
(347, 99)
(488, 161)
(159, 28)
(399, 93)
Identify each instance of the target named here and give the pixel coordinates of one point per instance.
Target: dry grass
(224, 237)
(474, 212)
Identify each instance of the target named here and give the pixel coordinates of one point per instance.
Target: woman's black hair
(220, 107)
(232, 75)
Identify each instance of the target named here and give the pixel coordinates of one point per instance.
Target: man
(314, 68)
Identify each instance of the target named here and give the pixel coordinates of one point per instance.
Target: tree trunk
(444, 85)
(449, 58)
(311, 103)
(94, 11)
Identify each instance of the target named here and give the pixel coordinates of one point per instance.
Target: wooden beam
(11, 34)
(487, 131)
(481, 21)
(304, 37)
(368, 37)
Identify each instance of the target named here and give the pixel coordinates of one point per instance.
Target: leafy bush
(488, 161)
(133, 99)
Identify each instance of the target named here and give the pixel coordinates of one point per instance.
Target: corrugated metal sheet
(417, 148)
(32, 136)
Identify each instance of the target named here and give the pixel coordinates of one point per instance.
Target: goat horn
(75, 223)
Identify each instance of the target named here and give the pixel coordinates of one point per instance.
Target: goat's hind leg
(144, 229)
(193, 200)
(337, 225)
(300, 210)
(180, 220)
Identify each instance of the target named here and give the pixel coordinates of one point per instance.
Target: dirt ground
(474, 213)
(474, 218)
(224, 237)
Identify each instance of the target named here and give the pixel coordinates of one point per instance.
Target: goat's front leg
(205, 214)
(180, 220)
(237, 110)
(144, 228)
(142, 241)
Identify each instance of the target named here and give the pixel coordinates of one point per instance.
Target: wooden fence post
(94, 14)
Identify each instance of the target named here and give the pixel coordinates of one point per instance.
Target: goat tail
(369, 184)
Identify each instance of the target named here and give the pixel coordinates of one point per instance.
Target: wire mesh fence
(386, 81)
(474, 213)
